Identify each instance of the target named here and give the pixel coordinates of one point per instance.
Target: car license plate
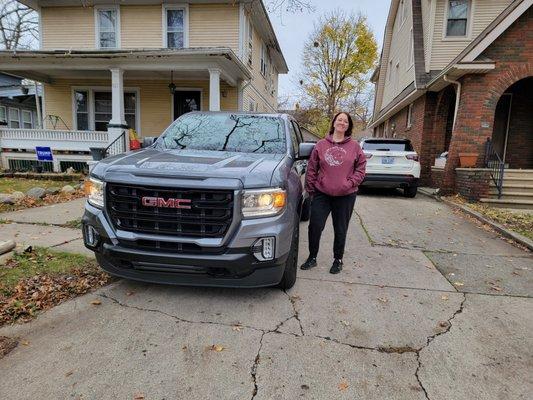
(387, 160)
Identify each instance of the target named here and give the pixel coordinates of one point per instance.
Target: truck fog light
(91, 236)
(264, 248)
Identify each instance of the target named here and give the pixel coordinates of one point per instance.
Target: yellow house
(107, 65)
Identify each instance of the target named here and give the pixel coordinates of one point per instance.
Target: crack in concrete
(296, 314)
(372, 243)
(253, 371)
(431, 338)
(179, 318)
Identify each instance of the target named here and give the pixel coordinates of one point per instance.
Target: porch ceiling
(45, 66)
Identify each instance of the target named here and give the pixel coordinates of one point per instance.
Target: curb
(524, 241)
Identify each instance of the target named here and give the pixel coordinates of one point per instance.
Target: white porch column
(214, 89)
(117, 125)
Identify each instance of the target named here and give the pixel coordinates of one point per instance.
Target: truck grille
(210, 215)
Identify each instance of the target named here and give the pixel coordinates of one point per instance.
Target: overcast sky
(294, 29)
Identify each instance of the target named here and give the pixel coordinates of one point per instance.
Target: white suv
(391, 163)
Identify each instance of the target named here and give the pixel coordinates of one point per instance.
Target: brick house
(107, 66)
(452, 76)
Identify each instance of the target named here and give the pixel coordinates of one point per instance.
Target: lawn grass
(40, 278)
(10, 185)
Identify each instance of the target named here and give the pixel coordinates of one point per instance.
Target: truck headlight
(94, 189)
(263, 202)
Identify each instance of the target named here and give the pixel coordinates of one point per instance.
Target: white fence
(19, 144)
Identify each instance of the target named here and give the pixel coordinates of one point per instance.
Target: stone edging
(524, 241)
(39, 176)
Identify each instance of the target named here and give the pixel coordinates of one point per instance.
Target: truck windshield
(225, 132)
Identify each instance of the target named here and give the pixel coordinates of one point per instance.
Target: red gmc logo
(166, 203)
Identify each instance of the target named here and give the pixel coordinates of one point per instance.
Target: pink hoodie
(336, 169)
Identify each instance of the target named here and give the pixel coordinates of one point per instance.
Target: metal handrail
(496, 165)
(117, 146)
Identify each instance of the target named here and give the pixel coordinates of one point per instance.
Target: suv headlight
(94, 189)
(263, 203)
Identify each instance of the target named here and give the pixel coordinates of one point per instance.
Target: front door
(186, 101)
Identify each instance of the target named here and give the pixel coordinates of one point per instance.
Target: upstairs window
(175, 22)
(14, 118)
(409, 116)
(411, 50)
(457, 18)
(27, 119)
(263, 60)
(250, 42)
(3, 114)
(107, 27)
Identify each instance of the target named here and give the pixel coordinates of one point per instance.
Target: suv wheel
(291, 266)
(306, 210)
(410, 191)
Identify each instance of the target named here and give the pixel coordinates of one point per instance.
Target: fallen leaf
(496, 288)
(345, 323)
(343, 386)
(25, 343)
(96, 302)
(458, 283)
(69, 373)
(216, 347)
(138, 396)
(383, 299)
(237, 328)
(295, 297)
(130, 293)
(443, 324)
(444, 297)
(306, 387)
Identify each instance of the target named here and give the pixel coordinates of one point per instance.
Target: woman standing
(334, 172)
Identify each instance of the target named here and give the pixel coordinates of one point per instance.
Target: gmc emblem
(166, 203)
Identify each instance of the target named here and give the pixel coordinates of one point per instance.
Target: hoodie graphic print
(335, 168)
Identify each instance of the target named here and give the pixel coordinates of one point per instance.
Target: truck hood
(215, 168)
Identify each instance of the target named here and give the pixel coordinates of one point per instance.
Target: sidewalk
(41, 226)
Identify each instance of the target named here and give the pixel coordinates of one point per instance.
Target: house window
(81, 104)
(27, 119)
(411, 49)
(397, 76)
(108, 29)
(3, 114)
(175, 22)
(14, 118)
(389, 72)
(410, 115)
(457, 20)
(264, 62)
(250, 42)
(94, 109)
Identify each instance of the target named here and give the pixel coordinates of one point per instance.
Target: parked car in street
(391, 163)
(216, 200)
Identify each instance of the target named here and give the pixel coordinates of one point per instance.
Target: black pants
(341, 208)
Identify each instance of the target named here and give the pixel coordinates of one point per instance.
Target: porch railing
(496, 165)
(11, 138)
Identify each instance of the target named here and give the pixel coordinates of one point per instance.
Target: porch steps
(503, 203)
(517, 190)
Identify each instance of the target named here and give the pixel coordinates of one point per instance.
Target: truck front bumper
(225, 266)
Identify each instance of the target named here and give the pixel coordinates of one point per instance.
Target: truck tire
(410, 191)
(306, 210)
(291, 266)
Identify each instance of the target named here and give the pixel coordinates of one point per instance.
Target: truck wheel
(306, 210)
(291, 266)
(410, 191)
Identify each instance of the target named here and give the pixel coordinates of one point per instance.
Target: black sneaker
(309, 263)
(336, 267)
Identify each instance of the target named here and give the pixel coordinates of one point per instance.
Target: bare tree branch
(18, 26)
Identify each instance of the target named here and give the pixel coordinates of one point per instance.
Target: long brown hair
(350, 124)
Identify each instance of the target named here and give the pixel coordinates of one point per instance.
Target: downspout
(457, 96)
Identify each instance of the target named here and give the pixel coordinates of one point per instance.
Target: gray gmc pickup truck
(216, 200)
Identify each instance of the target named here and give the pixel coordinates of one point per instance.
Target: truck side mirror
(305, 150)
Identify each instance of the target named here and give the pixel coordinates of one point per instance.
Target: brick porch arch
(475, 117)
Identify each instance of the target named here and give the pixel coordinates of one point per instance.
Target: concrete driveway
(430, 306)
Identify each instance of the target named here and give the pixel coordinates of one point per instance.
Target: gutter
(457, 96)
